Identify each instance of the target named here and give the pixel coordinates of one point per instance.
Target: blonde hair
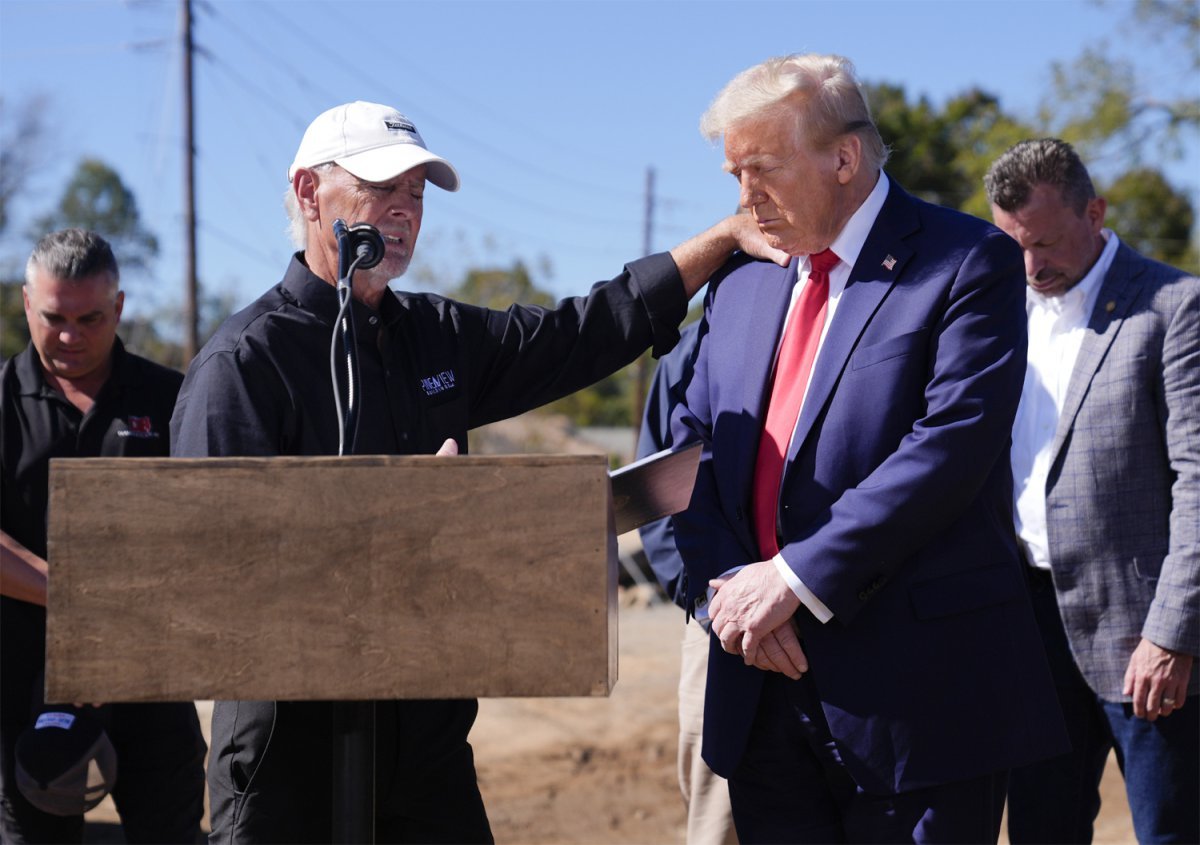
(822, 92)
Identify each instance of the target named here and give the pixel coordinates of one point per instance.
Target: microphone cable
(344, 325)
(368, 249)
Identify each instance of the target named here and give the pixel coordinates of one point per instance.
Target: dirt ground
(593, 771)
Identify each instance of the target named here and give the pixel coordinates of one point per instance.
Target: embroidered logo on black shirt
(141, 427)
(438, 382)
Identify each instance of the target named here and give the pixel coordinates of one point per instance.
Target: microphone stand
(353, 722)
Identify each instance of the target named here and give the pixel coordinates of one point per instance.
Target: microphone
(367, 244)
(360, 242)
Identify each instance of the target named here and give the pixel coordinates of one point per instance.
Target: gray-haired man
(76, 392)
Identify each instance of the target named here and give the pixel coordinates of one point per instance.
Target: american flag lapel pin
(889, 263)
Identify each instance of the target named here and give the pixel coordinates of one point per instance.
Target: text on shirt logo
(438, 382)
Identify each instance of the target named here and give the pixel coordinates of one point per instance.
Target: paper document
(655, 486)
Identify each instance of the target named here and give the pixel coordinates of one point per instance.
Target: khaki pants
(705, 793)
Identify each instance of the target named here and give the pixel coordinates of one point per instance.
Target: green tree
(95, 198)
(981, 131)
(500, 288)
(1098, 103)
(1152, 217)
(21, 146)
(14, 330)
(608, 402)
(941, 156)
(923, 152)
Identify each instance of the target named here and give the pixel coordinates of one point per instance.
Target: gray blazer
(1123, 494)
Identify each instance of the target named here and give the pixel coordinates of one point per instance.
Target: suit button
(738, 513)
(864, 595)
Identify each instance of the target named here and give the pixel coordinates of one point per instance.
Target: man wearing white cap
(429, 369)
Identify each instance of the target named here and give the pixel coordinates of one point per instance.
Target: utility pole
(642, 373)
(190, 338)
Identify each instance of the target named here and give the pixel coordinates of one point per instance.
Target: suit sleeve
(957, 444)
(1174, 618)
(707, 542)
(667, 389)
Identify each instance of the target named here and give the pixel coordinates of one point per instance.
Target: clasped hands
(751, 615)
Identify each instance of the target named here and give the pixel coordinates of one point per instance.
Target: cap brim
(383, 163)
(75, 790)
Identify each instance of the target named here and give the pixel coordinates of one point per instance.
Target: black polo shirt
(130, 418)
(430, 367)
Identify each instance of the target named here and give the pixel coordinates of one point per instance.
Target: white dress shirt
(1057, 325)
(847, 245)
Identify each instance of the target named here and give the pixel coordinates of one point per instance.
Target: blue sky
(551, 111)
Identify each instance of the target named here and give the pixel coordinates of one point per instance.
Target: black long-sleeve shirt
(430, 368)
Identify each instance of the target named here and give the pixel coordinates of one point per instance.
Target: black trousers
(792, 786)
(160, 750)
(270, 773)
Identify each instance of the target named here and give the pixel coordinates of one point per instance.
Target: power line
(490, 224)
(262, 95)
(251, 251)
(255, 91)
(435, 81)
(470, 138)
(294, 75)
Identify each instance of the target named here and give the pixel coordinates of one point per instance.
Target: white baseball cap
(373, 142)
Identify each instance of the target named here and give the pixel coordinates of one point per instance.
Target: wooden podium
(330, 578)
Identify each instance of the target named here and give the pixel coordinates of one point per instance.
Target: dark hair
(1046, 161)
(72, 254)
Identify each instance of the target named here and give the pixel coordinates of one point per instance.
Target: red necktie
(796, 355)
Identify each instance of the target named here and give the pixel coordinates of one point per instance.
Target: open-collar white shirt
(1057, 326)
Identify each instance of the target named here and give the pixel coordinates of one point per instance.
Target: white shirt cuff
(806, 596)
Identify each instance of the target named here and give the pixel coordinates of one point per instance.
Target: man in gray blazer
(1106, 465)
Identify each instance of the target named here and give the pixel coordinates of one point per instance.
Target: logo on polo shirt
(140, 427)
(438, 382)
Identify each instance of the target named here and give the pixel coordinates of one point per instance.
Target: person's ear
(1094, 212)
(304, 185)
(848, 157)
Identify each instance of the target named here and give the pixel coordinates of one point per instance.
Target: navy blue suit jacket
(896, 504)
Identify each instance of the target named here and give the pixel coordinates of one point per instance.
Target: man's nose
(404, 205)
(68, 334)
(750, 195)
(1033, 264)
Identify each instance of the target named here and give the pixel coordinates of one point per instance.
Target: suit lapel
(758, 345)
(880, 262)
(1117, 295)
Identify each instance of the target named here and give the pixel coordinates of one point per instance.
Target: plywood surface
(330, 578)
